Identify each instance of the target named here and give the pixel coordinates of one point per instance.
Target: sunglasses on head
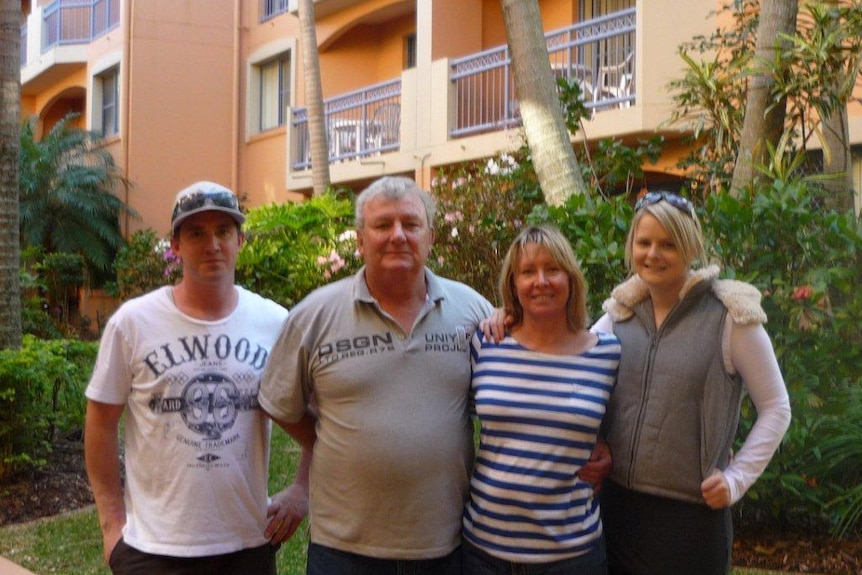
(676, 201)
(198, 200)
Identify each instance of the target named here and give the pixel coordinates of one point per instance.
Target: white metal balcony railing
(358, 124)
(67, 22)
(599, 54)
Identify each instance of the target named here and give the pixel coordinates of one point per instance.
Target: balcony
(359, 124)
(599, 54)
(57, 34)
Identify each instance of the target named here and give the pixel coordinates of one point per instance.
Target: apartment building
(185, 90)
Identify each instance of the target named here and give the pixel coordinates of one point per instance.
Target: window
(410, 51)
(274, 92)
(272, 8)
(110, 96)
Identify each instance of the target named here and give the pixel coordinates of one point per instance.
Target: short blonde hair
(561, 250)
(682, 226)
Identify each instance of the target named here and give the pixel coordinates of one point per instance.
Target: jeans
(127, 560)
(478, 562)
(328, 561)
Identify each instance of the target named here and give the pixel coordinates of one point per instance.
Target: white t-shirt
(196, 441)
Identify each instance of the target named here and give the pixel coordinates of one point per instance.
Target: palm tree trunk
(314, 98)
(10, 112)
(764, 121)
(547, 136)
(837, 160)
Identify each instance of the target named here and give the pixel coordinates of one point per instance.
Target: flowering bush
(335, 262)
(173, 263)
(292, 248)
(481, 207)
(143, 264)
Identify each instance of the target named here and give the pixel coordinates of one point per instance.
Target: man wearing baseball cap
(184, 363)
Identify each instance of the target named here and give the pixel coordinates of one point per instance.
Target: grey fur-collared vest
(674, 411)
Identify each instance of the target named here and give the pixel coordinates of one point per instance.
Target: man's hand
(110, 537)
(598, 466)
(284, 514)
(715, 490)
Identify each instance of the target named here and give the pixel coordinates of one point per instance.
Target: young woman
(691, 344)
(540, 395)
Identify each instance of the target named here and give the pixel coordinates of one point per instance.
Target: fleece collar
(742, 300)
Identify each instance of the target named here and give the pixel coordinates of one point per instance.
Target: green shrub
(807, 262)
(35, 318)
(41, 397)
(292, 248)
(840, 449)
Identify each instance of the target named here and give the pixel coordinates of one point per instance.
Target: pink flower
(802, 293)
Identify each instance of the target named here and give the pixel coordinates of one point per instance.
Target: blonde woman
(540, 395)
(691, 344)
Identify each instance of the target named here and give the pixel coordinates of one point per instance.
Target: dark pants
(127, 560)
(328, 561)
(477, 562)
(650, 535)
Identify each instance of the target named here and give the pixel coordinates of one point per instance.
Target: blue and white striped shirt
(540, 414)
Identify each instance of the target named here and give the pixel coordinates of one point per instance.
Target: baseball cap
(202, 197)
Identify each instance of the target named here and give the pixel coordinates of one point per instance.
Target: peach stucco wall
(180, 113)
(261, 157)
(555, 14)
(363, 55)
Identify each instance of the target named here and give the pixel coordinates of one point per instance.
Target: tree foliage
(67, 200)
(815, 72)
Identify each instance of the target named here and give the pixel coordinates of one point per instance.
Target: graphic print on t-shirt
(209, 404)
(209, 382)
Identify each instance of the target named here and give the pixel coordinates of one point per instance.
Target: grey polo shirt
(394, 449)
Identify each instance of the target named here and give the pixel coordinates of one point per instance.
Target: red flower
(802, 292)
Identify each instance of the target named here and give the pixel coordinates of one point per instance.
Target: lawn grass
(71, 544)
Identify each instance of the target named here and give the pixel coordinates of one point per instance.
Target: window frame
(274, 89)
(410, 51)
(109, 106)
(283, 49)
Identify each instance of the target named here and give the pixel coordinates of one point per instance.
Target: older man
(378, 366)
